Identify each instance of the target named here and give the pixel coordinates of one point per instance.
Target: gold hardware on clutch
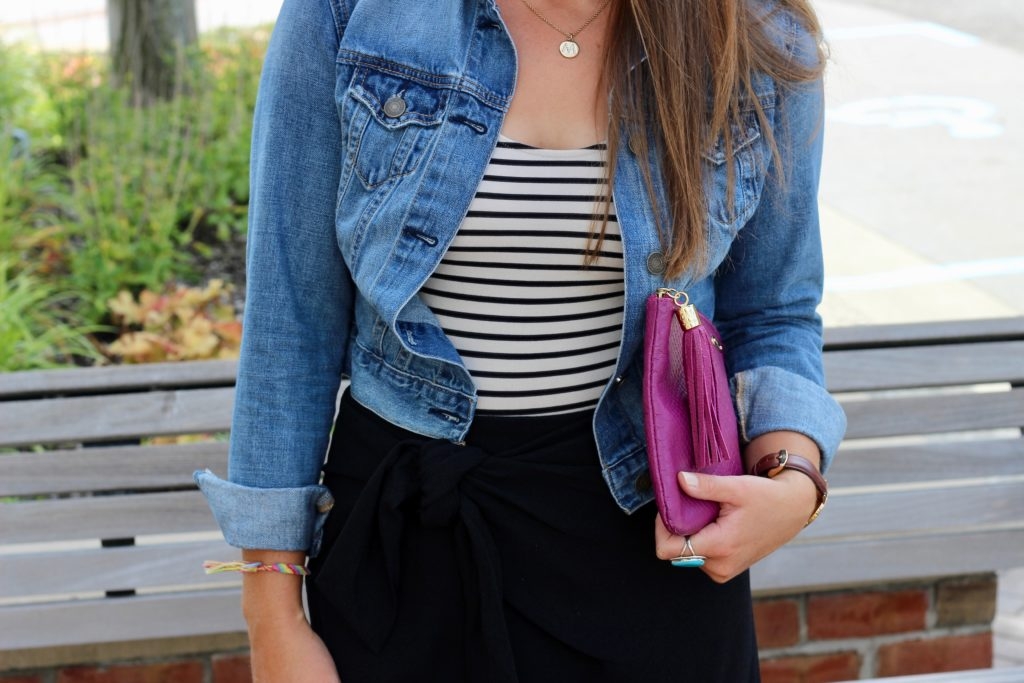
(688, 316)
(675, 295)
(687, 311)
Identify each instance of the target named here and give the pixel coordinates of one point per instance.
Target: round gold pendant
(569, 48)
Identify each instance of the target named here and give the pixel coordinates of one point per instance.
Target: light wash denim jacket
(374, 123)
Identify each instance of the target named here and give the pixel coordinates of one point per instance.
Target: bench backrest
(930, 478)
(102, 540)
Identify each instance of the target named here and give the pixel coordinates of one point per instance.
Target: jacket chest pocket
(750, 158)
(390, 121)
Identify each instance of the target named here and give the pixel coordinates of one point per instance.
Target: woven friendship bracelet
(253, 567)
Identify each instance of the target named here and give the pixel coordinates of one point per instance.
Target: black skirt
(507, 560)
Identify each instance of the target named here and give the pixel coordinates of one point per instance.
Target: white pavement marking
(922, 29)
(963, 117)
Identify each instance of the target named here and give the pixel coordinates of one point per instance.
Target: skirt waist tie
(440, 484)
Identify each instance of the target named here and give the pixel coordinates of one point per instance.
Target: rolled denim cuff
(267, 518)
(771, 399)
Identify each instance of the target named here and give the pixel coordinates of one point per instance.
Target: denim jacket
(374, 122)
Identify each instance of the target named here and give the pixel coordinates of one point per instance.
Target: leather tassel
(709, 443)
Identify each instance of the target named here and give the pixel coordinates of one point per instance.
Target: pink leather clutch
(688, 412)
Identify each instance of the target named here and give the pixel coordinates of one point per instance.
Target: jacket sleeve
(298, 296)
(769, 288)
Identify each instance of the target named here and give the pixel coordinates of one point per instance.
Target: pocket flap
(744, 133)
(397, 102)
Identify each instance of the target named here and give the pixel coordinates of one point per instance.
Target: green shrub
(24, 101)
(154, 187)
(33, 203)
(36, 329)
(128, 198)
(109, 197)
(219, 183)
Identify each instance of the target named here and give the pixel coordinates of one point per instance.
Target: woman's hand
(758, 515)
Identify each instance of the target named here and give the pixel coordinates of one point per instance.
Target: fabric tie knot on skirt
(432, 485)
(441, 467)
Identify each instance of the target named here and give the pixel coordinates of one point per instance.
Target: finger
(666, 544)
(711, 487)
(710, 541)
(724, 552)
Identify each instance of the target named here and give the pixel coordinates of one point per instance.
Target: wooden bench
(101, 541)
(104, 539)
(930, 479)
(1009, 675)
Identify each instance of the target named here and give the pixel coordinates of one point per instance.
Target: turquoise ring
(696, 561)
(687, 557)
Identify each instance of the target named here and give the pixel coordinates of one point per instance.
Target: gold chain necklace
(569, 48)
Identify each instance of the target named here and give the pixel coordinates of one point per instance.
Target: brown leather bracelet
(773, 464)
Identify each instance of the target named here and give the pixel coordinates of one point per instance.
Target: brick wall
(903, 629)
(217, 668)
(922, 627)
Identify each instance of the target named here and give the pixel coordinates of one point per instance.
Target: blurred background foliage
(103, 200)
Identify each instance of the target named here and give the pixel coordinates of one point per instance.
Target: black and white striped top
(538, 330)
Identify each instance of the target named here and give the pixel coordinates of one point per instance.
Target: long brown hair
(700, 59)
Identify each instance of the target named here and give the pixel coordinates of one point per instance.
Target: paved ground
(924, 150)
(996, 21)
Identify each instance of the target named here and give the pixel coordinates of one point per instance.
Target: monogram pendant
(569, 48)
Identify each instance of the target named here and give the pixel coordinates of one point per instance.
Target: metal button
(618, 380)
(656, 263)
(394, 106)
(643, 482)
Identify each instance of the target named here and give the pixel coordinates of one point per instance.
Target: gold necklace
(569, 48)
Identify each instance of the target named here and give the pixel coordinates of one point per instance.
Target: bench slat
(914, 334)
(806, 566)
(892, 527)
(111, 569)
(1003, 675)
(104, 517)
(937, 461)
(109, 380)
(887, 416)
(108, 418)
(125, 468)
(946, 508)
(930, 366)
(139, 617)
